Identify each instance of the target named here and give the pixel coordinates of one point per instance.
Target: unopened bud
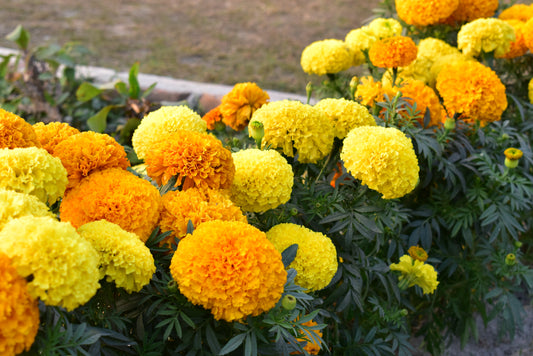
(510, 259)
(449, 123)
(518, 244)
(403, 312)
(288, 302)
(512, 157)
(256, 130)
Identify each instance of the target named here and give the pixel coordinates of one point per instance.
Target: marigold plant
(520, 12)
(485, 35)
(50, 134)
(393, 52)
(213, 118)
(345, 115)
(326, 57)
(238, 106)
(16, 132)
(416, 272)
(424, 13)
(470, 10)
(14, 205)
(518, 47)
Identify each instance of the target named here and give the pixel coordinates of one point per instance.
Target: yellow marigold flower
(290, 125)
(197, 206)
(384, 28)
(316, 258)
(530, 91)
(34, 171)
(382, 158)
(88, 152)
(49, 135)
(197, 159)
(473, 90)
(115, 195)
(423, 12)
(230, 268)
(213, 118)
(164, 120)
(470, 10)
(263, 180)
(13, 205)
(521, 12)
(63, 266)
(16, 132)
(326, 57)
(528, 34)
(425, 98)
(359, 40)
(240, 103)
(518, 46)
(415, 272)
(513, 153)
(345, 115)
(313, 343)
(124, 258)
(19, 313)
(369, 91)
(418, 253)
(393, 52)
(485, 35)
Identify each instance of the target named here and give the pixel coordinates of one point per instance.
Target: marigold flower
(230, 268)
(345, 115)
(384, 28)
(88, 152)
(117, 196)
(512, 156)
(238, 106)
(528, 34)
(290, 125)
(470, 10)
(473, 90)
(415, 272)
(13, 205)
(418, 253)
(263, 180)
(521, 12)
(328, 56)
(213, 118)
(19, 313)
(164, 120)
(382, 158)
(63, 266)
(530, 90)
(316, 258)
(16, 132)
(34, 171)
(393, 52)
(197, 206)
(423, 12)
(313, 343)
(49, 135)
(196, 159)
(518, 47)
(485, 35)
(359, 40)
(124, 258)
(443, 61)
(368, 91)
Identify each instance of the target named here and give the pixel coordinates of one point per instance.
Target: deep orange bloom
(239, 104)
(521, 12)
(15, 132)
(393, 52)
(212, 117)
(49, 135)
(418, 253)
(197, 159)
(469, 10)
(518, 46)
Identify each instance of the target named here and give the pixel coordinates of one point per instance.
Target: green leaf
(121, 88)
(135, 89)
(98, 122)
(233, 344)
(86, 92)
(20, 36)
(289, 254)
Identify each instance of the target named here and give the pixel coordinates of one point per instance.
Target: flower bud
(449, 123)
(256, 130)
(510, 259)
(518, 244)
(403, 312)
(288, 302)
(512, 156)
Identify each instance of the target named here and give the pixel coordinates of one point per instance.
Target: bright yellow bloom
(316, 258)
(382, 158)
(418, 253)
(415, 272)
(196, 159)
(115, 195)
(518, 46)
(393, 52)
(368, 91)
(359, 40)
(485, 35)
(326, 57)
(19, 313)
(238, 106)
(88, 152)
(16, 132)
(124, 258)
(33, 171)
(13, 205)
(230, 268)
(423, 12)
(263, 180)
(292, 126)
(197, 206)
(345, 115)
(470, 10)
(530, 90)
(49, 135)
(521, 12)
(384, 28)
(164, 120)
(513, 153)
(528, 34)
(473, 90)
(63, 266)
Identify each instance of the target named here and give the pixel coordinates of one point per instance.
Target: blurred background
(214, 41)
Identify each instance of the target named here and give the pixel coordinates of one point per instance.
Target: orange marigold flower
(16, 132)
(19, 313)
(518, 47)
(473, 90)
(117, 196)
(415, 92)
(212, 118)
(418, 253)
(423, 12)
(313, 342)
(197, 206)
(393, 52)
(513, 153)
(521, 12)
(469, 10)
(49, 135)
(87, 152)
(197, 159)
(528, 34)
(230, 268)
(240, 103)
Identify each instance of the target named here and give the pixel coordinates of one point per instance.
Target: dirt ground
(223, 41)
